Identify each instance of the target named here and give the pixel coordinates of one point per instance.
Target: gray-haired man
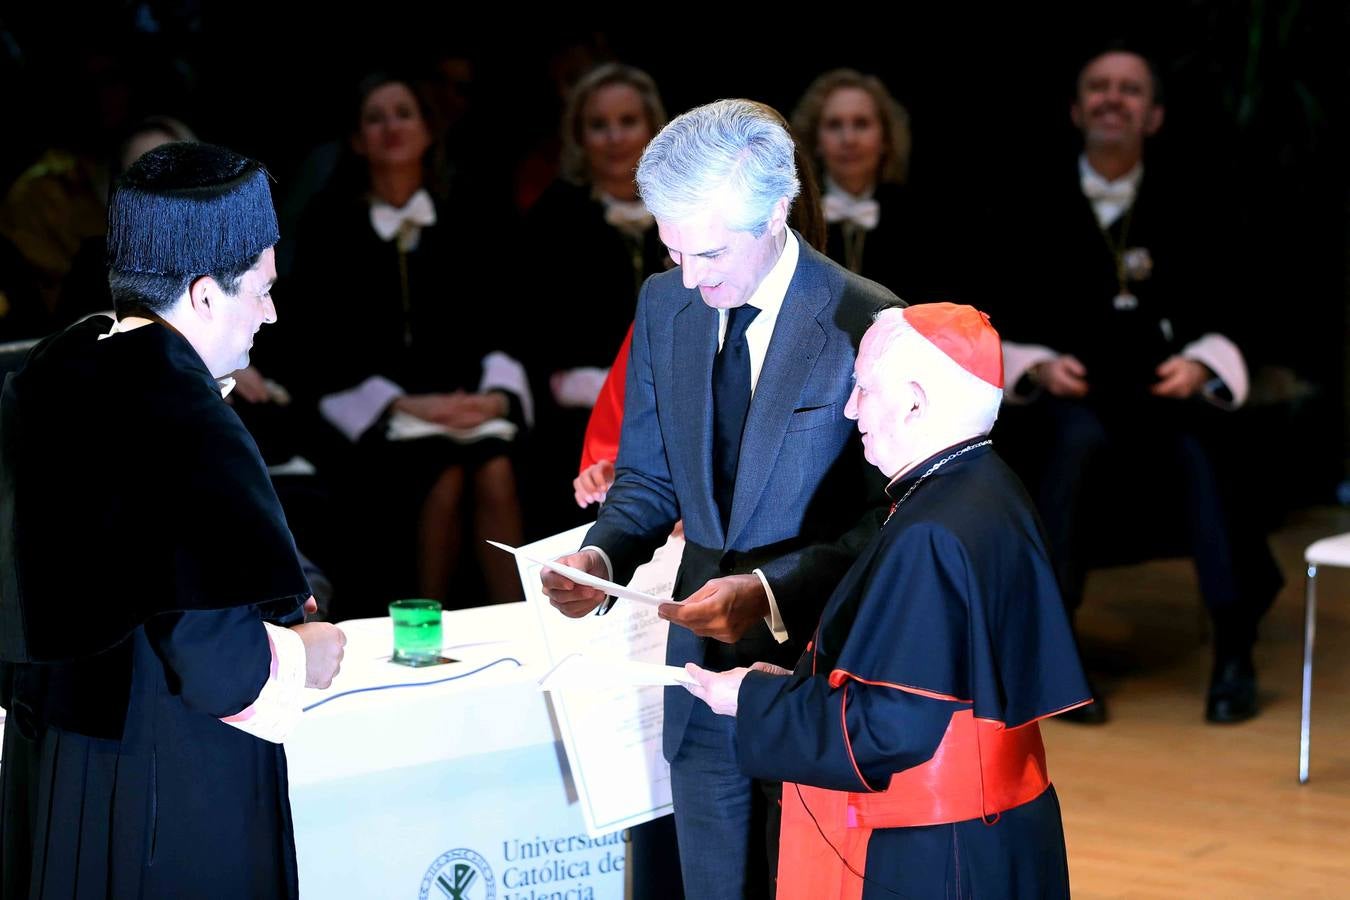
(733, 421)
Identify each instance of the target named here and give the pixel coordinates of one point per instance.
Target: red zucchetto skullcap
(963, 334)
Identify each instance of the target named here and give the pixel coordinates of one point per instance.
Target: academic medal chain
(405, 292)
(855, 237)
(1125, 301)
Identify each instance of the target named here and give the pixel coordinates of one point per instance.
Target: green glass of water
(417, 632)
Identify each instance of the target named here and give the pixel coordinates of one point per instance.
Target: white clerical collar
(768, 297)
(1109, 197)
(131, 323)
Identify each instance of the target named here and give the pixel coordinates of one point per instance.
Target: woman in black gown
(590, 244)
(396, 311)
(879, 225)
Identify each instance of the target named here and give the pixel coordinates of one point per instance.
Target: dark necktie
(731, 402)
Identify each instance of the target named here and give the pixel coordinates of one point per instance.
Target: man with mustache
(1122, 347)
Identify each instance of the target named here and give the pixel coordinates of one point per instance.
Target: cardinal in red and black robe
(907, 736)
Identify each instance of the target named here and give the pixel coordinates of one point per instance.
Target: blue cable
(385, 687)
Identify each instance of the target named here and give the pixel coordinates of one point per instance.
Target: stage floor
(1158, 803)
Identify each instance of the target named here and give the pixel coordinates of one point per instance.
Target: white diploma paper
(610, 723)
(578, 670)
(586, 578)
(406, 427)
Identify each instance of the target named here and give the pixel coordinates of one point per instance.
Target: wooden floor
(1158, 803)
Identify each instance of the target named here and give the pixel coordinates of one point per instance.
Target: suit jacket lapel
(693, 346)
(797, 341)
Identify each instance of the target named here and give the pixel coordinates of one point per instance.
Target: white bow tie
(1099, 190)
(630, 215)
(844, 207)
(406, 222)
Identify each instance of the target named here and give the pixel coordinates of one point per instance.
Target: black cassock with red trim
(915, 707)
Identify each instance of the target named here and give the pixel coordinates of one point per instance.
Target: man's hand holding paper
(723, 609)
(569, 598)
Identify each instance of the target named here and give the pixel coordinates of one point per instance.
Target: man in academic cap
(151, 600)
(907, 736)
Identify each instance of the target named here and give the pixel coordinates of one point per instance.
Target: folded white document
(296, 465)
(578, 670)
(580, 577)
(405, 427)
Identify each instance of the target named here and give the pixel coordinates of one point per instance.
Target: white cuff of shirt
(1017, 361)
(604, 557)
(774, 619)
(502, 373)
(608, 602)
(353, 411)
(277, 709)
(1225, 359)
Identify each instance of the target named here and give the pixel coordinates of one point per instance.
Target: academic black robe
(1146, 459)
(145, 547)
(952, 607)
(584, 276)
(579, 278)
(1056, 280)
(916, 248)
(353, 308)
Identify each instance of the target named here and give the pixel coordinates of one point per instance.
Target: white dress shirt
(768, 298)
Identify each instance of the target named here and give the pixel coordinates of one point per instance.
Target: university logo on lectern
(458, 875)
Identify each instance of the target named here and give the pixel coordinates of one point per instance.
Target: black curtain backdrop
(1255, 95)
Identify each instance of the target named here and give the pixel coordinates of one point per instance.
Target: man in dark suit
(1124, 343)
(733, 421)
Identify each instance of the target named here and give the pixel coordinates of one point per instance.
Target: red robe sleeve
(602, 432)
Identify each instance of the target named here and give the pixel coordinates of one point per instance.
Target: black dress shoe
(1093, 713)
(1232, 692)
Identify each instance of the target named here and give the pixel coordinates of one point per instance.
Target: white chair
(1332, 551)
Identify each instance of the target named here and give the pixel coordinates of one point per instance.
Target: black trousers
(1155, 463)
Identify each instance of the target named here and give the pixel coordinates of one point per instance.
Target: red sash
(980, 770)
